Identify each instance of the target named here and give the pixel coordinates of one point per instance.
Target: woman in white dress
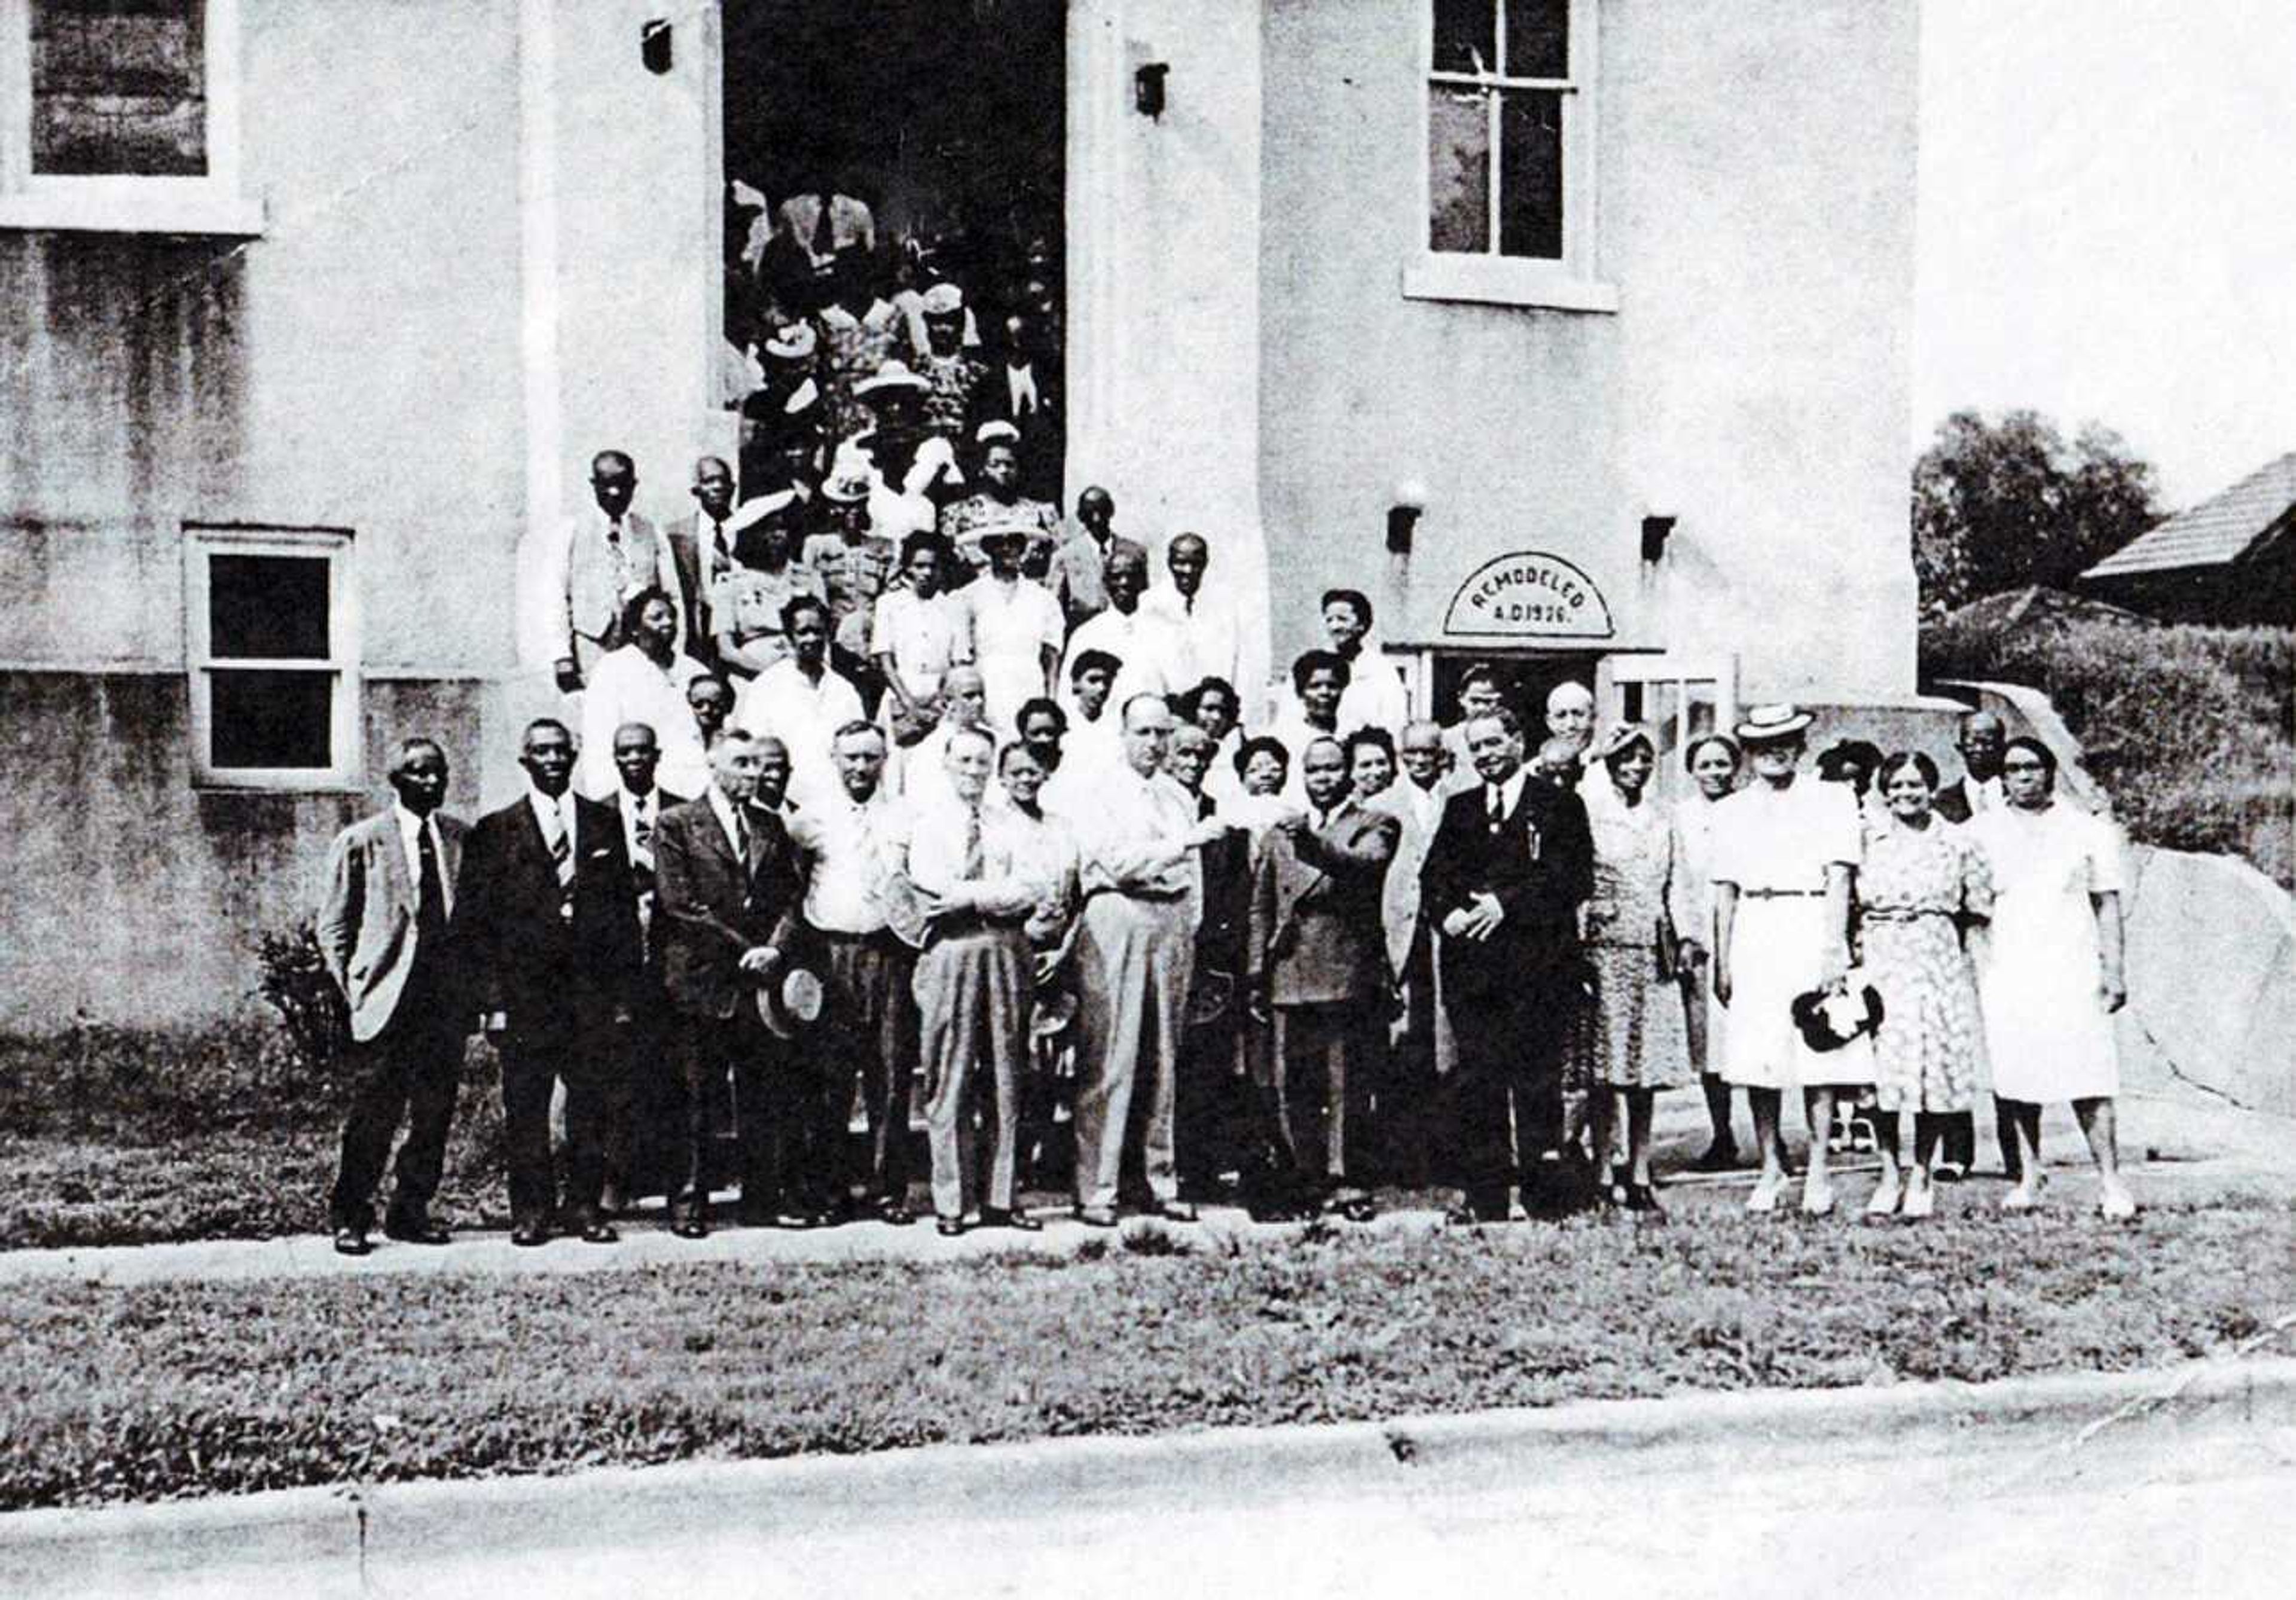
(1713, 762)
(1011, 627)
(1786, 849)
(2050, 977)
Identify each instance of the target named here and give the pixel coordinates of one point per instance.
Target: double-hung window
(122, 116)
(272, 645)
(1508, 213)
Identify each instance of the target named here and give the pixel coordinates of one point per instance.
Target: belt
(1899, 914)
(1781, 894)
(838, 936)
(1158, 897)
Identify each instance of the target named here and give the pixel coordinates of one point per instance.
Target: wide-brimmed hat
(1009, 528)
(1053, 1013)
(894, 374)
(1766, 725)
(942, 299)
(750, 513)
(994, 432)
(1618, 737)
(1829, 1019)
(851, 477)
(792, 1003)
(795, 342)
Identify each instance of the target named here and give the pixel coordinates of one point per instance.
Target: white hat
(943, 299)
(1766, 725)
(991, 432)
(795, 342)
(894, 374)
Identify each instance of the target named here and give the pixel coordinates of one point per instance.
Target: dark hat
(1828, 1019)
(791, 1004)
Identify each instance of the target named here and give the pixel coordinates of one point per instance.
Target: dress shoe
(599, 1231)
(1719, 1157)
(1765, 1197)
(800, 1221)
(352, 1242)
(1643, 1198)
(948, 1228)
(416, 1230)
(1949, 1172)
(1017, 1221)
(894, 1213)
(1174, 1210)
(526, 1235)
(690, 1227)
(2117, 1205)
(1816, 1200)
(1097, 1216)
(1921, 1200)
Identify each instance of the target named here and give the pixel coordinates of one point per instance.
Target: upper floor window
(272, 645)
(122, 115)
(1509, 212)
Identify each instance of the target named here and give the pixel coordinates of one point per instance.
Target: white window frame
(1568, 284)
(201, 541)
(125, 203)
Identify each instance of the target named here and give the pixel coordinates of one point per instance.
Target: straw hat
(1767, 725)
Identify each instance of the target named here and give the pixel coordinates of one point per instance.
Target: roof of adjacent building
(2035, 606)
(2218, 530)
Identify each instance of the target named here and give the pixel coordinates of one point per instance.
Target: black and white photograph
(1327, 798)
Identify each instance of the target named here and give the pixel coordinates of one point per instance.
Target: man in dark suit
(1215, 1126)
(1511, 863)
(636, 1094)
(728, 890)
(1318, 964)
(552, 932)
(384, 929)
(702, 548)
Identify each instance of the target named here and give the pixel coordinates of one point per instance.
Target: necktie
(562, 849)
(642, 837)
(824, 235)
(740, 836)
(975, 866)
(721, 553)
(431, 890)
(1498, 806)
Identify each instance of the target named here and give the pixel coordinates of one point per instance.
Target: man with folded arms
(1137, 847)
(850, 846)
(980, 877)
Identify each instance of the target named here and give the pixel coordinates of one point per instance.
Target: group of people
(874, 832)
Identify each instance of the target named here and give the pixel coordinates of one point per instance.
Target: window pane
(1458, 169)
(1464, 32)
(119, 86)
(1538, 38)
(272, 719)
(1530, 173)
(268, 607)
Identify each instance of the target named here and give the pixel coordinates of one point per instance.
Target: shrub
(2188, 727)
(298, 986)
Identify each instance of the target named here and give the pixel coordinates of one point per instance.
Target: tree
(2002, 505)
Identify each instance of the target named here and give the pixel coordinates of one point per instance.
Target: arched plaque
(1527, 595)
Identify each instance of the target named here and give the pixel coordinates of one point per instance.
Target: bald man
(1135, 957)
(1570, 715)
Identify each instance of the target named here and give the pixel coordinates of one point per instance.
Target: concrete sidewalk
(2181, 1147)
(1710, 1493)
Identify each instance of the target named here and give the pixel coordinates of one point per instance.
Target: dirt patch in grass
(182, 1389)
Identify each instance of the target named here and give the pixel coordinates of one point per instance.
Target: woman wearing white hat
(1785, 857)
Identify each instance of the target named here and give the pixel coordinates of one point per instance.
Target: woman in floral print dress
(1924, 879)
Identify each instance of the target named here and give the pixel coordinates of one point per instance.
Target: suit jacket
(580, 603)
(1078, 575)
(1540, 863)
(559, 973)
(1223, 932)
(1399, 895)
(642, 878)
(709, 907)
(1316, 936)
(688, 535)
(1952, 801)
(366, 922)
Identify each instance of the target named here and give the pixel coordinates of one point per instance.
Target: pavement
(2137, 1484)
(2181, 1144)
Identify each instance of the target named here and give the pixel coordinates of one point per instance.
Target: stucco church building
(1576, 333)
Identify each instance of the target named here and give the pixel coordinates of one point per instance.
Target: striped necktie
(562, 849)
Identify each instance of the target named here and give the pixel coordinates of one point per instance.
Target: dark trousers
(1959, 1143)
(634, 1101)
(531, 1063)
(1506, 1096)
(1208, 1112)
(708, 1047)
(411, 1069)
(1406, 1125)
(869, 1048)
(1322, 1066)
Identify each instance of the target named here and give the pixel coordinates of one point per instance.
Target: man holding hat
(726, 892)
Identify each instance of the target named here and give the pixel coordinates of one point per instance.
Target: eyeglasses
(2024, 767)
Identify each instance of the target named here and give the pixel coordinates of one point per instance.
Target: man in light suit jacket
(727, 888)
(1318, 962)
(551, 923)
(701, 547)
(603, 559)
(1511, 861)
(1425, 1053)
(384, 928)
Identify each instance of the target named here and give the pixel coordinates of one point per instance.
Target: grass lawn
(158, 1392)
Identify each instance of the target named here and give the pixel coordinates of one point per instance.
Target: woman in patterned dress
(1923, 881)
(1638, 1045)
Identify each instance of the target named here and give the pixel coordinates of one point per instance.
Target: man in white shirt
(1142, 643)
(1375, 696)
(1201, 626)
(802, 701)
(1479, 694)
(971, 862)
(850, 846)
(588, 576)
(1092, 744)
(1320, 680)
(1138, 871)
(644, 681)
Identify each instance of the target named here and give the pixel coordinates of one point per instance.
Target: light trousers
(1133, 960)
(973, 999)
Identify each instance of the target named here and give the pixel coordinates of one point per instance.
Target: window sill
(244, 781)
(120, 206)
(1502, 281)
